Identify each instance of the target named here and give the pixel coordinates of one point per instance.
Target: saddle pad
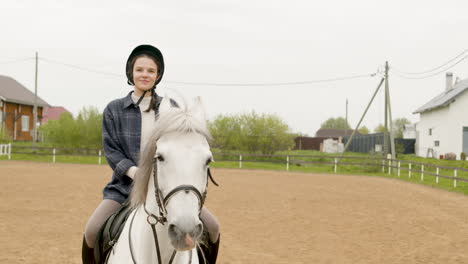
(110, 232)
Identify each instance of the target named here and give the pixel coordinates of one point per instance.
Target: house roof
(53, 113)
(14, 92)
(326, 132)
(445, 98)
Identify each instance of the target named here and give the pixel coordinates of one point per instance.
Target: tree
(399, 126)
(226, 132)
(251, 132)
(85, 131)
(379, 129)
(363, 130)
(335, 123)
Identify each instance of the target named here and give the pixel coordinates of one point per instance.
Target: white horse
(169, 191)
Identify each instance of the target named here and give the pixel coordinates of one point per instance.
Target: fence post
(287, 163)
(422, 172)
(409, 170)
(454, 178)
(100, 154)
(335, 167)
(437, 175)
(9, 151)
(240, 161)
(389, 167)
(383, 166)
(399, 169)
(53, 156)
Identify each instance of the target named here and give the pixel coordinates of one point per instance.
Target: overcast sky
(240, 42)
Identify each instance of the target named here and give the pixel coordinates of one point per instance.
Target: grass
(297, 164)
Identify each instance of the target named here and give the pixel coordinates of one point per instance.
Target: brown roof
(14, 92)
(326, 132)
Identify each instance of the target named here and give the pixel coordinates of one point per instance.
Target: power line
(221, 84)
(82, 68)
(433, 71)
(278, 83)
(402, 75)
(16, 60)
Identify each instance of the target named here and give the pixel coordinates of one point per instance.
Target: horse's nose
(184, 238)
(197, 232)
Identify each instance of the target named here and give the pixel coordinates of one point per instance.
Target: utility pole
(346, 111)
(392, 137)
(362, 117)
(385, 134)
(35, 106)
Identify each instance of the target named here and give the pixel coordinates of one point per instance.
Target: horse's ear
(199, 109)
(165, 105)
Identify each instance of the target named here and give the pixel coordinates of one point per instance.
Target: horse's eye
(160, 158)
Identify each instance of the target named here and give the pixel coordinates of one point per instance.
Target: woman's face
(145, 73)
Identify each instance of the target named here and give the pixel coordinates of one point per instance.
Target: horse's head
(179, 154)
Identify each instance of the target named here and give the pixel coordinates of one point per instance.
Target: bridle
(162, 202)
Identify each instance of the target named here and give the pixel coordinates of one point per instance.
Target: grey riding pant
(107, 207)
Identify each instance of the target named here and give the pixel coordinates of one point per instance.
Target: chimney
(448, 81)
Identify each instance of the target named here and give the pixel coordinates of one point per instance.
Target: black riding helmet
(152, 52)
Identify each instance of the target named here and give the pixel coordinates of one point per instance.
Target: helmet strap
(143, 96)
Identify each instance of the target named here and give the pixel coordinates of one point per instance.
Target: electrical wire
(433, 69)
(399, 74)
(221, 84)
(278, 83)
(16, 60)
(82, 68)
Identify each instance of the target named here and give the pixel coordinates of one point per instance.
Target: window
(430, 131)
(436, 143)
(24, 123)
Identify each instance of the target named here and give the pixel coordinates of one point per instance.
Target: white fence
(5, 149)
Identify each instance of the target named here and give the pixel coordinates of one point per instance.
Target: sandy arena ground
(266, 217)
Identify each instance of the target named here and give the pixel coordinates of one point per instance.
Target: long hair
(179, 119)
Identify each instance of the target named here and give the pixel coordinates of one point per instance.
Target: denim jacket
(121, 134)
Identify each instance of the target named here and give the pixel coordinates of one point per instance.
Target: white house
(409, 131)
(443, 125)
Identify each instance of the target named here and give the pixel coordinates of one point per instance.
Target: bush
(450, 156)
(83, 132)
(251, 132)
(463, 156)
(4, 137)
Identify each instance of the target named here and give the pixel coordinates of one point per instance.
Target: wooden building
(16, 109)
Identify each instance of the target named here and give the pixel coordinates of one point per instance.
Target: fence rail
(387, 165)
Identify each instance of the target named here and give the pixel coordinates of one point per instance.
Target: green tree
(225, 131)
(379, 129)
(251, 132)
(335, 123)
(363, 130)
(83, 132)
(399, 126)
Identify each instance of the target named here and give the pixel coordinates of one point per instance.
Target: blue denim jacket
(121, 133)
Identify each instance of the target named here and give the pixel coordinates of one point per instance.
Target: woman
(127, 124)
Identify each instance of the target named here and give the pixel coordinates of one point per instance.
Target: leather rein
(162, 201)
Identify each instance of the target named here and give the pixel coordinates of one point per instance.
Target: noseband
(162, 201)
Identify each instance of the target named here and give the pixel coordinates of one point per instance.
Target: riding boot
(210, 251)
(87, 253)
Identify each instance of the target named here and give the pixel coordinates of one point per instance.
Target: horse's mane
(178, 119)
